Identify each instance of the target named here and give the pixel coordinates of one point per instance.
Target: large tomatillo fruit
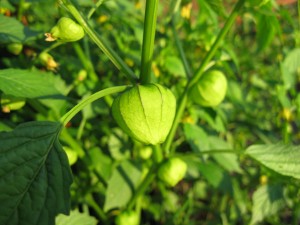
(172, 171)
(145, 112)
(210, 90)
(65, 30)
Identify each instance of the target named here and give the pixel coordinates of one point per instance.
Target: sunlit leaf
(284, 159)
(75, 218)
(28, 84)
(267, 201)
(121, 185)
(290, 67)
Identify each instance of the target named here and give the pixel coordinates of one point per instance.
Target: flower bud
(210, 90)
(172, 171)
(145, 112)
(65, 30)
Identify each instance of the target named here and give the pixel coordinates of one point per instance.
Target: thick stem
(184, 97)
(108, 51)
(148, 40)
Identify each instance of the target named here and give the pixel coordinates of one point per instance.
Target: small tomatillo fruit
(210, 90)
(128, 217)
(172, 171)
(145, 112)
(66, 30)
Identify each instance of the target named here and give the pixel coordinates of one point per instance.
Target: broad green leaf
(100, 162)
(34, 175)
(290, 67)
(284, 159)
(212, 172)
(28, 84)
(174, 66)
(267, 201)
(196, 137)
(216, 176)
(12, 30)
(116, 141)
(267, 26)
(75, 218)
(121, 185)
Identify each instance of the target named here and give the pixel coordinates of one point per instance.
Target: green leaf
(267, 26)
(212, 172)
(196, 137)
(217, 6)
(34, 175)
(28, 84)
(75, 218)
(122, 185)
(216, 176)
(229, 162)
(284, 159)
(290, 67)
(267, 201)
(13, 31)
(174, 66)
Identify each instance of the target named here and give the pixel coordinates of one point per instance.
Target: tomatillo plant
(140, 150)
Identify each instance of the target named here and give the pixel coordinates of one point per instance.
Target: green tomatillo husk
(172, 171)
(145, 112)
(66, 30)
(210, 90)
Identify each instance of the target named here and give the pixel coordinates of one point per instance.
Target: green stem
(90, 201)
(157, 154)
(184, 97)
(143, 186)
(70, 114)
(148, 40)
(184, 60)
(178, 116)
(108, 51)
(218, 41)
(91, 12)
(85, 62)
